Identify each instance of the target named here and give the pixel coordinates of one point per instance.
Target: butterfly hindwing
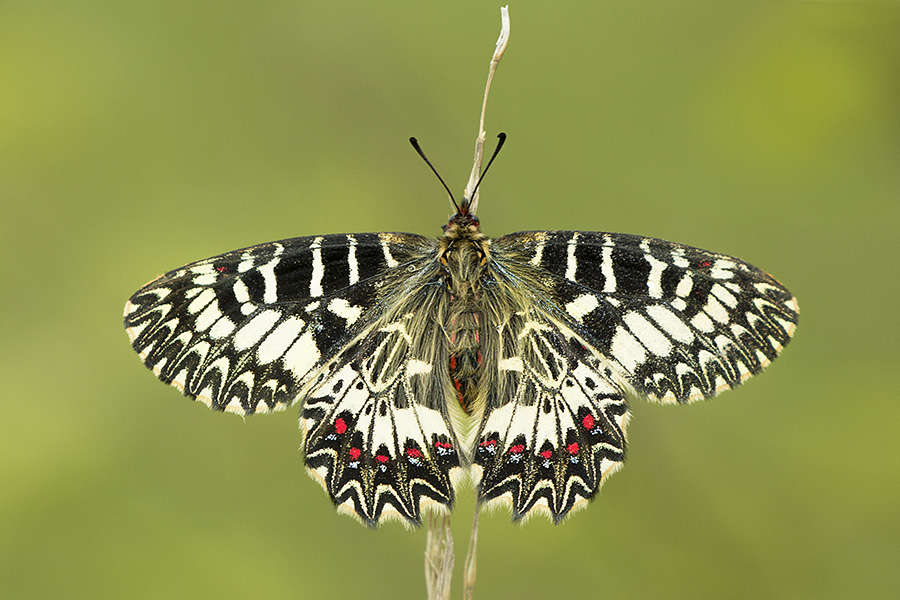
(378, 436)
(550, 445)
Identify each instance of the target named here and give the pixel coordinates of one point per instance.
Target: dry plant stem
(439, 545)
(430, 560)
(438, 558)
(471, 192)
(469, 568)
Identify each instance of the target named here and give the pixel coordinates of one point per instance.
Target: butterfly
(421, 362)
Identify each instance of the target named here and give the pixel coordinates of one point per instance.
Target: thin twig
(438, 558)
(430, 558)
(471, 190)
(469, 568)
(439, 545)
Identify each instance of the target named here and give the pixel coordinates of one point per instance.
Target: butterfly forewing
(245, 331)
(675, 323)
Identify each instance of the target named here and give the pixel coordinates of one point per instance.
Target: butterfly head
(464, 222)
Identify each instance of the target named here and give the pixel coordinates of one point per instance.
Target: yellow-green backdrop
(137, 136)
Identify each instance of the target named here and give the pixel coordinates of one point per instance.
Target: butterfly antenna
(502, 137)
(415, 144)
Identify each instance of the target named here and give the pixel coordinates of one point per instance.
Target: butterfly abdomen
(464, 261)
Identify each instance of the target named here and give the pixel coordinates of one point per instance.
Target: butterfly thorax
(464, 258)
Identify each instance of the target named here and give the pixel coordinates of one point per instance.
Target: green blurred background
(137, 136)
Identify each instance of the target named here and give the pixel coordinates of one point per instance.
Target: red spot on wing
(340, 426)
(354, 453)
(516, 449)
(588, 421)
(382, 458)
(414, 452)
(572, 448)
(547, 453)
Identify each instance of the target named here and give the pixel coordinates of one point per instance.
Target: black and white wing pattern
(554, 426)
(257, 329)
(417, 361)
(605, 314)
(376, 424)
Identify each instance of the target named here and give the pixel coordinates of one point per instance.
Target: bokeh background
(137, 136)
